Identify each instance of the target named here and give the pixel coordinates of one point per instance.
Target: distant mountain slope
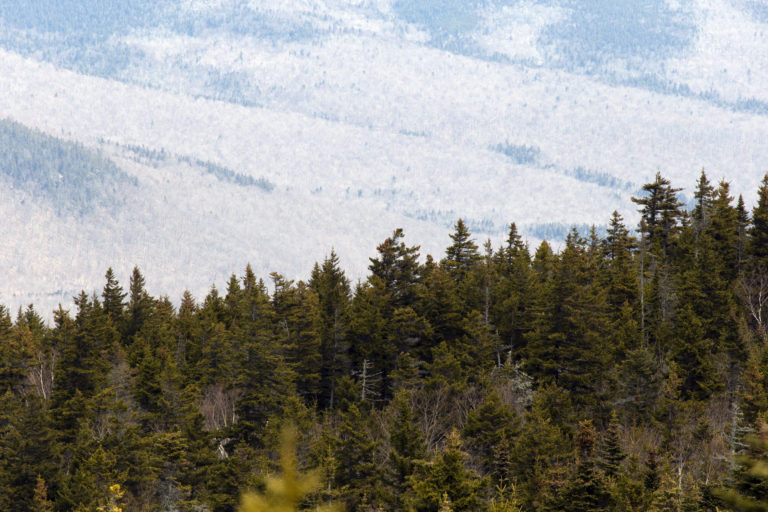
(235, 128)
(72, 177)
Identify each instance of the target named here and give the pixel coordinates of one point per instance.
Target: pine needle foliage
(286, 492)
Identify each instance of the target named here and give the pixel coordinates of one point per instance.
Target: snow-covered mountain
(235, 131)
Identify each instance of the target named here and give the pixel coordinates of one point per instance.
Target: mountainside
(215, 133)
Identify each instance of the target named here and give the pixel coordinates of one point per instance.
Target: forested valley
(624, 372)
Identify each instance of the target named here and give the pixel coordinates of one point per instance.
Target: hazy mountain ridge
(346, 119)
(70, 176)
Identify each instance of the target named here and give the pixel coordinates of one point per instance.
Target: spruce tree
(586, 490)
(704, 195)
(407, 446)
(397, 267)
(660, 210)
(113, 298)
(462, 254)
(742, 219)
(298, 324)
(265, 380)
(620, 268)
(489, 429)
(610, 451)
(565, 345)
(758, 233)
(448, 475)
(749, 489)
(331, 286)
(358, 473)
(512, 294)
(693, 355)
(139, 304)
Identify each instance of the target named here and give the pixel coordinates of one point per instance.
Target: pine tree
(397, 267)
(139, 304)
(621, 274)
(41, 503)
(462, 254)
(448, 475)
(702, 213)
(758, 233)
(585, 491)
(749, 490)
(565, 345)
(512, 294)
(660, 210)
(488, 429)
(407, 446)
(358, 474)
(611, 452)
(333, 293)
(113, 297)
(288, 491)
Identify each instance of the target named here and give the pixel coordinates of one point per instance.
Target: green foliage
(448, 476)
(660, 341)
(748, 492)
(286, 492)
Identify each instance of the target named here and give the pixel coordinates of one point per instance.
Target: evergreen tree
(397, 267)
(440, 305)
(749, 489)
(264, 379)
(540, 451)
(758, 233)
(621, 274)
(564, 346)
(298, 321)
(462, 254)
(693, 357)
(41, 503)
(585, 490)
(742, 219)
(358, 474)
(370, 349)
(639, 385)
(113, 297)
(16, 353)
(333, 293)
(448, 475)
(490, 429)
(27, 451)
(139, 304)
(660, 210)
(407, 446)
(611, 452)
(512, 294)
(702, 213)
(288, 491)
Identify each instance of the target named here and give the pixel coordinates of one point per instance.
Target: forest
(627, 372)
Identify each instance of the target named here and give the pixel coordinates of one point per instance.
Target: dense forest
(626, 373)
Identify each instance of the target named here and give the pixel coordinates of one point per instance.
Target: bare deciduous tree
(218, 407)
(752, 289)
